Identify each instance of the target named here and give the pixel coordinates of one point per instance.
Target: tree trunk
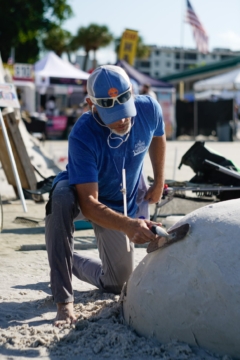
(85, 61)
(94, 62)
(69, 56)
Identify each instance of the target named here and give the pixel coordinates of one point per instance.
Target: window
(190, 56)
(177, 66)
(168, 64)
(157, 52)
(156, 63)
(145, 64)
(223, 57)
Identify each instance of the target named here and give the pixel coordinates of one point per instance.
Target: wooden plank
(25, 169)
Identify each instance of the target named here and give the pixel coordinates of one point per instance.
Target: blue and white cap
(110, 81)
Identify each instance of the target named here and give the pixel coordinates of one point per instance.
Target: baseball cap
(108, 82)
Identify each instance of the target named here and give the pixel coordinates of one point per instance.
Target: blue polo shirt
(93, 157)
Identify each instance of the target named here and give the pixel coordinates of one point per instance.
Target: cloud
(230, 40)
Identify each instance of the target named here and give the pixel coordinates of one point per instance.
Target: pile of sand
(100, 333)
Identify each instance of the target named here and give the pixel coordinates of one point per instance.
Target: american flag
(11, 57)
(199, 32)
(10, 61)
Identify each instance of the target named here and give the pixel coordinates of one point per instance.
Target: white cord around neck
(111, 133)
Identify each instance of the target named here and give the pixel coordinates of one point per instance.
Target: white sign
(23, 71)
(8, 96)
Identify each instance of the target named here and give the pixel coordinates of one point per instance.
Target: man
(146, 90)
(115, 135)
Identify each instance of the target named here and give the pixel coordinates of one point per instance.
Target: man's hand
(138, 231)
(154, 194)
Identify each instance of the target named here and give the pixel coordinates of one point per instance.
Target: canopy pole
(195, 119)
(12, 160)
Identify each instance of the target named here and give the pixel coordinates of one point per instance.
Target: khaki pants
(107, 273)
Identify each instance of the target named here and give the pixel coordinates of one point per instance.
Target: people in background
(51, 105)
(146, 90)
(84, 107)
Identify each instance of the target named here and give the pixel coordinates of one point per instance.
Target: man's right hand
(138, 230)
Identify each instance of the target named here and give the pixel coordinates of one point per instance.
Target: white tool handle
(124, 191)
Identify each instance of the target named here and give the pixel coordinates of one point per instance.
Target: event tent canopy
(141, 78)
(227, 81)
(52, 66)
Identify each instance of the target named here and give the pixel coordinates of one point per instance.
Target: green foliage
(194, 66)
(91, 38)
(23, 22)
(143, 51)
(57, 40)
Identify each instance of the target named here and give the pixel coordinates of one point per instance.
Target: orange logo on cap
(113, 92)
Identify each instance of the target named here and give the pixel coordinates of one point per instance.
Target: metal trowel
(167, 238)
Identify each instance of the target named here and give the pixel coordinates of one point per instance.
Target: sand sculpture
(190, 290)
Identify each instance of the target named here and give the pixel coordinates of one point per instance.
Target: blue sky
(160, 22)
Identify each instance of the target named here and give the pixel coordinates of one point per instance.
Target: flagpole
(181, 84)
(182, 38)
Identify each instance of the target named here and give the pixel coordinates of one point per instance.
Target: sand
(26, 307)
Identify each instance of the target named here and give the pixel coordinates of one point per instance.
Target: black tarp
(210, 115)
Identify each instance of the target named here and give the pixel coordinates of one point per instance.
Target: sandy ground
(26, 306)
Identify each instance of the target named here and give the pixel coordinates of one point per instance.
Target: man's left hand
(154, 194)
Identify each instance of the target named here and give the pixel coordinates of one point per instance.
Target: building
(165, 61)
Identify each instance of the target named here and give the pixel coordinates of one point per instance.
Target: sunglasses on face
(110, 102)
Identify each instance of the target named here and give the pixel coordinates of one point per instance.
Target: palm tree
(143, 51)
(91, 38)
(58, 40)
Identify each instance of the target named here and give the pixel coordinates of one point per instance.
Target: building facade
(164, 61)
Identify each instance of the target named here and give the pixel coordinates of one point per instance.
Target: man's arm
(136, 229)
(157, 152)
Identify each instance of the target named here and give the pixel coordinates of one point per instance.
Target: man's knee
(116, 285)
(113, 289)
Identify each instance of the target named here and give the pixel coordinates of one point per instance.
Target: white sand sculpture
(190, 290)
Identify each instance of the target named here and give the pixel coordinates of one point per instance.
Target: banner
(8, 96)
(23, 72)
(128, 46)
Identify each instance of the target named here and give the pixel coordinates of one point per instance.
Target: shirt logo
(113, 92)
(140, 147)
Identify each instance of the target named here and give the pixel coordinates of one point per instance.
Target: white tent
(227, 81)
(53, 66)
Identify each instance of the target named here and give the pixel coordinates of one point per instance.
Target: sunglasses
(109, 102)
